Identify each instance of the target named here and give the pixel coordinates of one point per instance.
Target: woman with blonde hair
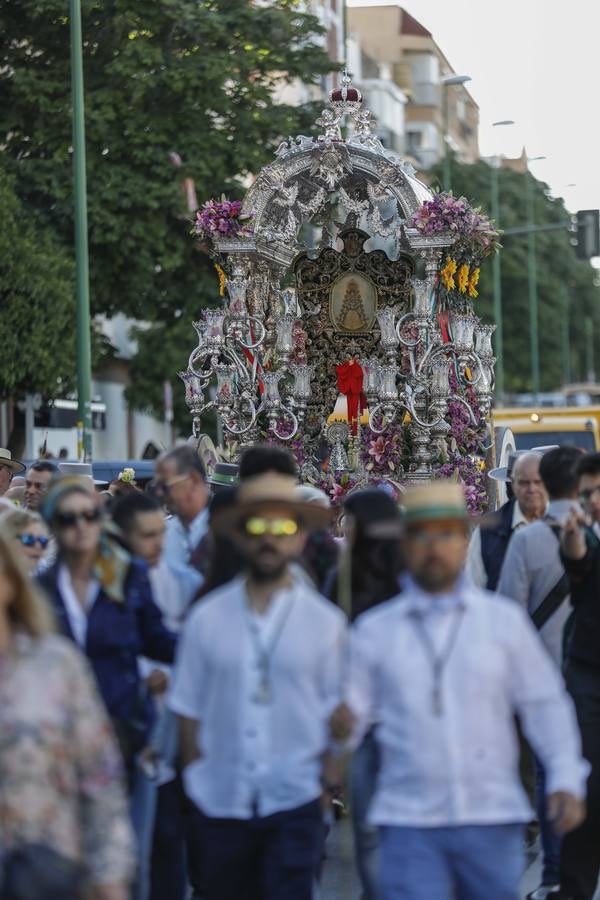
(64, 827)
(29, 532)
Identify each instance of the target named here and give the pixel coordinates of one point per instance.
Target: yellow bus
(574, 426)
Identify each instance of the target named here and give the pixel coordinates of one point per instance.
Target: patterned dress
(60, 771)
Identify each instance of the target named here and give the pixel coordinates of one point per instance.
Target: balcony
(425, 93)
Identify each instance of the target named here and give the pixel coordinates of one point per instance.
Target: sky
(536, 62)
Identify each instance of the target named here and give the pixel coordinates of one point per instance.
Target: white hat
(6, 460)
(80, 470)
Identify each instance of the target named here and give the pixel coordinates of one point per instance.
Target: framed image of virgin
(353, 304)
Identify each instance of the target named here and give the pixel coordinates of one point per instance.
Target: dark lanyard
(437, 660)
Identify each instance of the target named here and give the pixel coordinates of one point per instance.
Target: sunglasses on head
(30, 540)
(69, 519)
(256, 527)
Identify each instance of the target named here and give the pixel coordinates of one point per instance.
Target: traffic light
(588, 233)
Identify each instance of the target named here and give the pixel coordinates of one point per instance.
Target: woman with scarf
(103, 601)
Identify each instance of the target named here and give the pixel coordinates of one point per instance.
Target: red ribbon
(350, 383)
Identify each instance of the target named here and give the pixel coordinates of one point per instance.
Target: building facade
(417, 66)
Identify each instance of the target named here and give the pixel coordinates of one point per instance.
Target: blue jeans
(473, 862)
(551, 841)
(363, 776)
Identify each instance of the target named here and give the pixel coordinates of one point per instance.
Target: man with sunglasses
(181, 484)
(257, 677)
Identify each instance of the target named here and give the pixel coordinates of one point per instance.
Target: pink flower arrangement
(383, 453)
(476, 234)
(469, 471)
(221, 218)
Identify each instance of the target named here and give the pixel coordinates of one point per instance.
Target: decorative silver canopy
(328, 275)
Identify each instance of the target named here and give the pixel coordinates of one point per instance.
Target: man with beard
(443, 668)
(257, 679)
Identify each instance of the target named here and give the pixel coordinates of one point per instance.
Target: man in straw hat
(444, 668)
(257, 678)
(8, 468)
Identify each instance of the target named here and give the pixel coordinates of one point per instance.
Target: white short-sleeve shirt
(258, 757)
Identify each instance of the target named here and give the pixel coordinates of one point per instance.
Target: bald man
(489, 542)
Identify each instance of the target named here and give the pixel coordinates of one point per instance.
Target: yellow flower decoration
(463, 278)
(447, 274)
(473, 282)
(222, 279)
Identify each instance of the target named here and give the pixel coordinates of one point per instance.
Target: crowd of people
(195, 675)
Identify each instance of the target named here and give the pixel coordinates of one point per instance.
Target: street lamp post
(84, 354)
(447, 82)
(532, 280)
(497, 275)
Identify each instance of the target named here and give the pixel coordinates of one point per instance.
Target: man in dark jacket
(489, 541)
(580, 856)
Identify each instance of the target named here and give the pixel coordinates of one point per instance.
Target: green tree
(193, 79)
(567, 293)
(36, 302)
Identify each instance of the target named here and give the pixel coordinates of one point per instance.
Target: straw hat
(79, 470)
(6, 460)
(267, 491)
(435, 501)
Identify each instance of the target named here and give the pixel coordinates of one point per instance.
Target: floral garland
(476, 238)
(469, 472)
(221, 218)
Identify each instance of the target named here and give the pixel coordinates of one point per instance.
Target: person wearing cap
(8, 468)
(444, 668)
(489, 541)
(257, 677)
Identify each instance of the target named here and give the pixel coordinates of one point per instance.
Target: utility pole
(566, 337)
(84, 353)
(533, 294)
(447, 81)
(589, 350)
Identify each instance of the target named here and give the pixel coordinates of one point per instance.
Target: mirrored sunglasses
(30, 540)
(256, 527)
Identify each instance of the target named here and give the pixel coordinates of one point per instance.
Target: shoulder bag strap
(557, 595)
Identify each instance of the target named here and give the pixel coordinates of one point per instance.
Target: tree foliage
(193, 79)
(567, 292)
(37, 304)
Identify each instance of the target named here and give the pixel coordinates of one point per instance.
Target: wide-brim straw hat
(79, 470)
(435, 501)
(261, 492)
(6, 460)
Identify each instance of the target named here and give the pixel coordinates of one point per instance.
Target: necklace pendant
(263, 694)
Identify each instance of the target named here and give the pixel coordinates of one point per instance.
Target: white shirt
(474, 564)
(76, 613)
(262, 756)
(180, 543)
(460, 767)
